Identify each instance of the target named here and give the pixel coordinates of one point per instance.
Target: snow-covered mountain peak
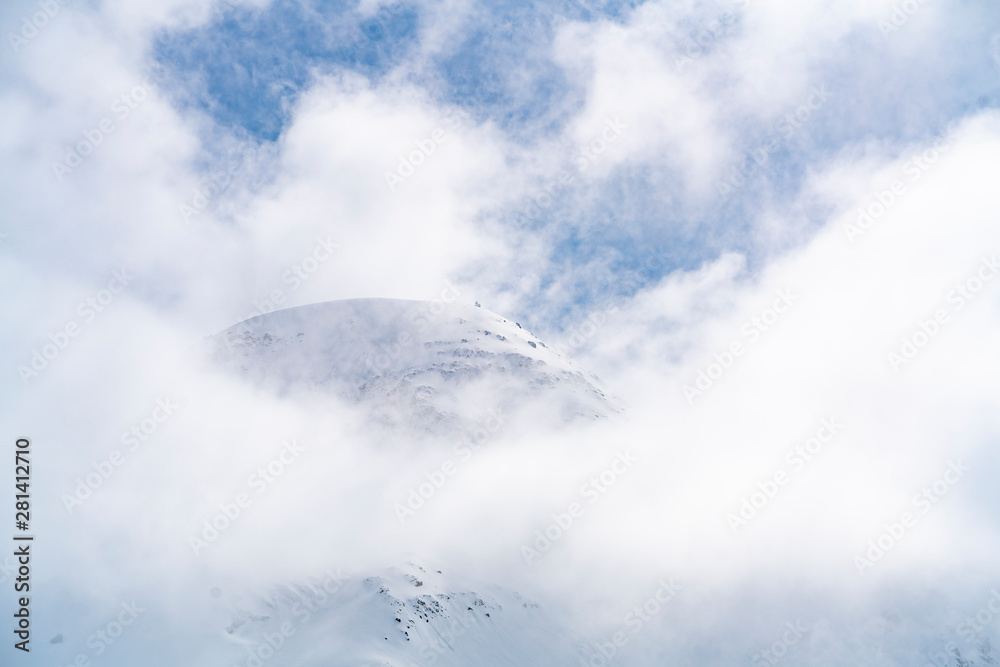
(416, 362)
(400, 617)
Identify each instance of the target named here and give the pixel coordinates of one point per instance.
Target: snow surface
(400, 618)
(415, 363)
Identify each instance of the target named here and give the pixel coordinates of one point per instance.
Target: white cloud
(325, 179)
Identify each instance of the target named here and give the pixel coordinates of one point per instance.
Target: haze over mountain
(405, 616)
(425, 364)
(654, 173)
(422, 368)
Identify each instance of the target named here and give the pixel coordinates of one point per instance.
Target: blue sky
(247, 67)
(622, 180)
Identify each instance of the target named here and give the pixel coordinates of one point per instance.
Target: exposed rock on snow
(402, 617)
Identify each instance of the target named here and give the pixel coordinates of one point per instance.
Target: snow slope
(414, 363)
(400, 618)
(416, 366)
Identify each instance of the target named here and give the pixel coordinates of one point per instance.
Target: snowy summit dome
(414, 361)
